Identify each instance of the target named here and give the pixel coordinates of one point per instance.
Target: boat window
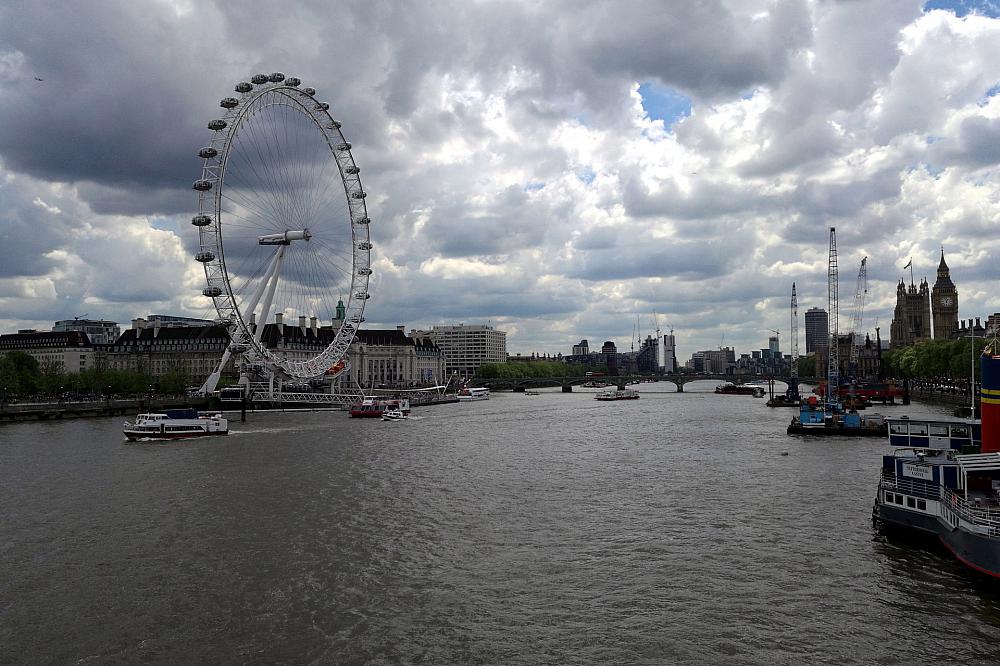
(939, 430)
(898, 428)
(910, 502)
(888, 497)
(922, 505)
(918, 428)
(960, 431)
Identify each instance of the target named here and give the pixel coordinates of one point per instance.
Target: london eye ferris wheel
(283, 226)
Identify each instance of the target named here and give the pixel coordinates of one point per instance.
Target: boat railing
(916, 487)
(986, 516)
(975, 512)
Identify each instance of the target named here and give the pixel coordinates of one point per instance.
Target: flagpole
(911, 271)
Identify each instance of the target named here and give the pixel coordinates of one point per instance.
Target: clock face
(946, 301)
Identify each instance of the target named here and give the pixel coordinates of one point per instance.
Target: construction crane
(793, 382)
(833, 357)
(860, 295)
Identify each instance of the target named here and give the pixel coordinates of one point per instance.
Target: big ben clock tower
(944, 302)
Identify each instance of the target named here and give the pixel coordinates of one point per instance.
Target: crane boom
(860, 295)
(833, 356)
(795, 335)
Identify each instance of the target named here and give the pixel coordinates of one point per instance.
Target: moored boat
(175, 424)
(820, 419)
(943, 479)
(617, 394)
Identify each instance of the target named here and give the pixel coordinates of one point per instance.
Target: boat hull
(976, 551)
(168, 436)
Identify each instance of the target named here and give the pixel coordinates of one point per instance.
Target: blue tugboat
(943, 479)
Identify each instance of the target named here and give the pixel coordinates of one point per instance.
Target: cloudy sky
(556, 168)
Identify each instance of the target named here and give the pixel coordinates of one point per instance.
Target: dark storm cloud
(688, 260)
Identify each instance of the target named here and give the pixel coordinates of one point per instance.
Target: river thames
(520, 530)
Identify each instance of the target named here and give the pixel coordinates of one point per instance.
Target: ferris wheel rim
(212, 234)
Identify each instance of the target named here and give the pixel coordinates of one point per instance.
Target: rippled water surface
(548, 529)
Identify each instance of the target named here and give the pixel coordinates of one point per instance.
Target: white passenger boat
(473, 393)
(175, 424)
(394, 414)
(617, 394)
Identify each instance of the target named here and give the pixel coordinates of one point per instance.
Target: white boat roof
(979, 462)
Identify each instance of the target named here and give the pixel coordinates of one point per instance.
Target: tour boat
(617, 394)
(175, 424)
(732, 389)
(943, 479)
(394, 414)
(372, 408)
(473, 393)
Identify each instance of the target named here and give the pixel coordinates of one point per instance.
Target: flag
(908, 264)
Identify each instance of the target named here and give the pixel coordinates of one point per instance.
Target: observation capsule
(292, 81)
(364, 220)
(352, 170)
(216, 124)
(259, 78)
(238, 348)
(211, 292)
(208, 152)
(243, 87)
(309, 91)
(363, 295)
(358, 195)
(364, 271)
(277, 77)
(201, 220)
(202, 185)
(364, 245)
(204, 257)
(343, 146)
(322, 106)
(333, 125)
(229, 102)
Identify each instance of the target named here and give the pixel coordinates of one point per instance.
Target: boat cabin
(961, 436)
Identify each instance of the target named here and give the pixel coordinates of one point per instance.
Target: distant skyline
(555, 169)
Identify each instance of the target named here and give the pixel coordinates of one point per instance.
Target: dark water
(548, 529)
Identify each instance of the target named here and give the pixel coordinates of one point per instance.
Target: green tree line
(535, 369)
(934, 359)
(22, 375)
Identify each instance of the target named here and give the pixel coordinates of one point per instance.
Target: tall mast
(833, 356)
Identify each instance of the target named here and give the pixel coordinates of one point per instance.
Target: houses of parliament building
(918, 309)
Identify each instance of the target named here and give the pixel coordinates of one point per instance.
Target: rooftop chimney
(401, 329)
(302, 324)
(313, 323)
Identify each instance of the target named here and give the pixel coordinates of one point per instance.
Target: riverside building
(99, 331)
(465, 348)
(817, 330)
(62, 351)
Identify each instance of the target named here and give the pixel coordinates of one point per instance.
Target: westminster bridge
(520, 384)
